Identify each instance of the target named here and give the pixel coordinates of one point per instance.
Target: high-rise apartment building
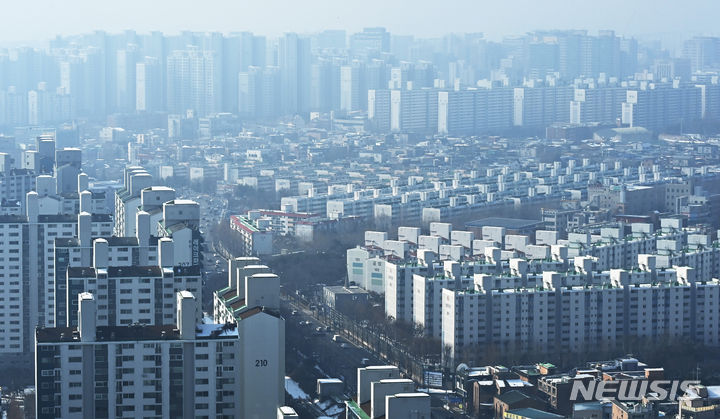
(413, 110)
(128, 199)
(127, 60)
(240, 51)
(178, 369)
(148, 83)
(294, 60)
(29, 269)
(192, 82)
(659, 106)
(250, 92)
(270, 93)
(259, 93)
(134, 280)
(490, 110)
(703, 53)
(251, 300)
(68, 165)
(600, 104)
(370, 41)
(559, 314)
(353, 95)
(325, 85)
(541, 106)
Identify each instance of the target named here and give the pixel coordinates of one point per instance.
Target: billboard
(433, 379)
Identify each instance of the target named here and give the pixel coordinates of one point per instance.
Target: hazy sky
(39, 20)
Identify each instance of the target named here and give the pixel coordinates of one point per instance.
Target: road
(332, 359)
(327, 358)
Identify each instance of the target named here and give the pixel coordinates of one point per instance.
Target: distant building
(566, 131)
(192, 82)
(509, 225)
(530, 413)
(382, 393)
(633, 410)
(256, 237)
(514, 400)
(148, 96)
(700, 402)
(342, 298)
(370, 40)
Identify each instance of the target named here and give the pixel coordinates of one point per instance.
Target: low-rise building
(514, 400)
(343, 298)
(700, 402)
(256, 237)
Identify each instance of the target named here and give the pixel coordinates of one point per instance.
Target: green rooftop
(353, 407)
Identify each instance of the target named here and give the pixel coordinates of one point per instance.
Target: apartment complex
(177, 369)
(586, 290)
(473, 111)
(128, 285)
(562, 313)
(131, 294)
(145, 353)
(29, 269)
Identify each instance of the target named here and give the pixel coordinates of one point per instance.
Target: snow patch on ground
(294, 390)
(335, 410)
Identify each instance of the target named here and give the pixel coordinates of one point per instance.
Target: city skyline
(531, 80)
(342, 209)
(644, 18)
